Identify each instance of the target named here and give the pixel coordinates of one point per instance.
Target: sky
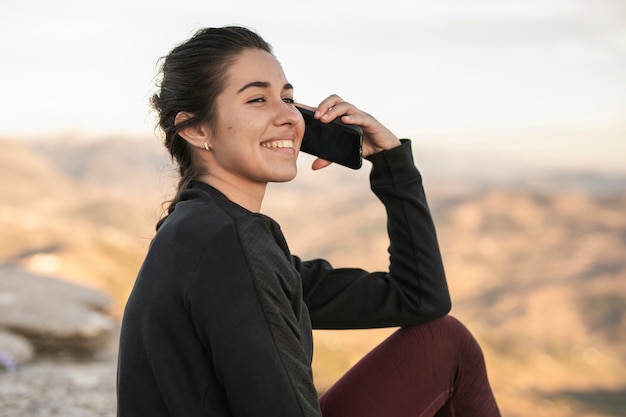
(539, 80)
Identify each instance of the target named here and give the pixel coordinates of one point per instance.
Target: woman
(219, 320)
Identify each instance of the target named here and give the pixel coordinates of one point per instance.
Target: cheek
(300, 129)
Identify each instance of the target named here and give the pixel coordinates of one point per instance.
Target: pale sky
(544, 80)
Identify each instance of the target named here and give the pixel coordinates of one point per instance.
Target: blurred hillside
(535, 260)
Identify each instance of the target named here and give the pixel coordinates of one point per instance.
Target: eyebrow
(263, 84)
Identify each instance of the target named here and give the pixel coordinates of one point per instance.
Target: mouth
(281, 144)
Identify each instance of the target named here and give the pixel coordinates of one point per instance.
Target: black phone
(335, 141)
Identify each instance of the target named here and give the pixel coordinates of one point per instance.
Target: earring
(206, 146)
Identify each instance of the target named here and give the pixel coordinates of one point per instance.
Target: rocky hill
(535, 263)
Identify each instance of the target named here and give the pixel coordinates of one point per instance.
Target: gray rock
(49, 388)
(54, 315)
(14, 350)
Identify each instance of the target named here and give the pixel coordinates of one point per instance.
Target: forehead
(255, 65)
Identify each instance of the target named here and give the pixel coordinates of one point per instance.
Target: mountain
(535, 259)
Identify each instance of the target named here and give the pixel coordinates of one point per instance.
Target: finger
(330, 101)
(328, 106)
(368, 123)
(342, 110)
(320, 163)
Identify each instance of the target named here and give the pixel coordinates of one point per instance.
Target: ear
(197, 135)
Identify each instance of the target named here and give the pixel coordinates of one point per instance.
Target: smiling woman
(194, 75)
(220, 318)
(256, 134)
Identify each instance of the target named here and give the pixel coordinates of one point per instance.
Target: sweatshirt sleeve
(414, 289)
(243, 311)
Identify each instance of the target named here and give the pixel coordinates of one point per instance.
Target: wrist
(390, 144)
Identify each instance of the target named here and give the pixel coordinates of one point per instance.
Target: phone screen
(335, 141)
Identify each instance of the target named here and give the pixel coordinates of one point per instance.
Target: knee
(450, 334)
(454, 328)
(468, 349)
(446, 326)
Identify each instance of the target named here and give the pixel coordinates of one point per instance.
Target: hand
(376, 137)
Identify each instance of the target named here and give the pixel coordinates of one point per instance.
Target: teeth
(278, 144)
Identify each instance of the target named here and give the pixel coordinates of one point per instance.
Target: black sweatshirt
(219, 320)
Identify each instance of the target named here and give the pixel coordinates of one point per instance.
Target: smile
(278, 144)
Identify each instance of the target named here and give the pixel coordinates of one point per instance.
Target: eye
(289, 100)
(257, 100)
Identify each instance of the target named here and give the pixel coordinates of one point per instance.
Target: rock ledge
(47, 315)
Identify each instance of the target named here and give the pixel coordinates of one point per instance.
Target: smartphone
(335, 141)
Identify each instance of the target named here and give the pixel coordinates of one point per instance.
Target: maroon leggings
(433, 369)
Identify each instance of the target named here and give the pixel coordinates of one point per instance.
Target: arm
(243, 307)
(414, 290)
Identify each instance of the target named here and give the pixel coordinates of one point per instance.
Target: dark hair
(193, 74)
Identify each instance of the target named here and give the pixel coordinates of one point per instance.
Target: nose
(287, 114)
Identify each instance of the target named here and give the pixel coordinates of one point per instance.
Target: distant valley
(536, 260)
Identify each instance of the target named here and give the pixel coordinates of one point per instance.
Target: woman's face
(257, 135)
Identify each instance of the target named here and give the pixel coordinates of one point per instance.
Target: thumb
(320, 163)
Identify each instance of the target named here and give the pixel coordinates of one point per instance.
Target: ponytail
(192, 76)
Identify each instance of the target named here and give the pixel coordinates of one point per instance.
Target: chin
(285, 176)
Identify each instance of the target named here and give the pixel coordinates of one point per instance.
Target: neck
(249, 195)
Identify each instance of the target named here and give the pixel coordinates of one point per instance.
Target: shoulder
(205, 238)
(202, 212)
(206, 219)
